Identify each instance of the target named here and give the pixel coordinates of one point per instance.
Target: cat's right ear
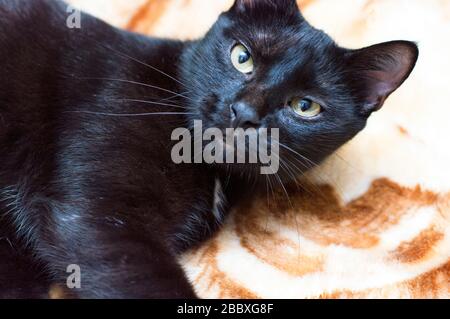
(377, 71)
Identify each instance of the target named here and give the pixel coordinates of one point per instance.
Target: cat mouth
(238, 147)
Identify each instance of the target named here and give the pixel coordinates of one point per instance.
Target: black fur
(81, 185)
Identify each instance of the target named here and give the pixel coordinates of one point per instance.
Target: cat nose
(244, 116)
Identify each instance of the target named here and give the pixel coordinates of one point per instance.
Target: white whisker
(144, 64)
(135, 83)
(151, 102)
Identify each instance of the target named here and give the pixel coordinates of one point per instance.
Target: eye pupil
(243, 57)
(305, 105)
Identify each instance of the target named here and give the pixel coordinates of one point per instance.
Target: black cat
(86, 121)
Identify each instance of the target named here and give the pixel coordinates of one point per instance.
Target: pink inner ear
(379, 90)
(384, 82)
(380, 85)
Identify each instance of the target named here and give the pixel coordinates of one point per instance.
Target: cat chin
(248, 171)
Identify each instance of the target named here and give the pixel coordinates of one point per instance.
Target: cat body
(86, 123)
(49, 153)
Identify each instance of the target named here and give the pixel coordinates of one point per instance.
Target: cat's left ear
(377, 71)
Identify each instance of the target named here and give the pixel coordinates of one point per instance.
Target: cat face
(263, 66)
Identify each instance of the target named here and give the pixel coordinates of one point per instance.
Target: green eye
(305, 107)
(242, 59)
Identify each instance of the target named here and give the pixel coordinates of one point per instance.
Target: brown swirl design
(325, 221)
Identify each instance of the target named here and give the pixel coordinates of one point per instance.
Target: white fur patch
(219, 201)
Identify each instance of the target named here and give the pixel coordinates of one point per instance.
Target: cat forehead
(297, 60)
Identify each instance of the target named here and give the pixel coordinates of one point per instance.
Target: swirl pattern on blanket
(374, 220)
(390, 242)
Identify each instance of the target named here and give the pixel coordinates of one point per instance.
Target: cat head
(262, 65)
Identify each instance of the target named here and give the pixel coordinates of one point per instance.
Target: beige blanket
(374, 220)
